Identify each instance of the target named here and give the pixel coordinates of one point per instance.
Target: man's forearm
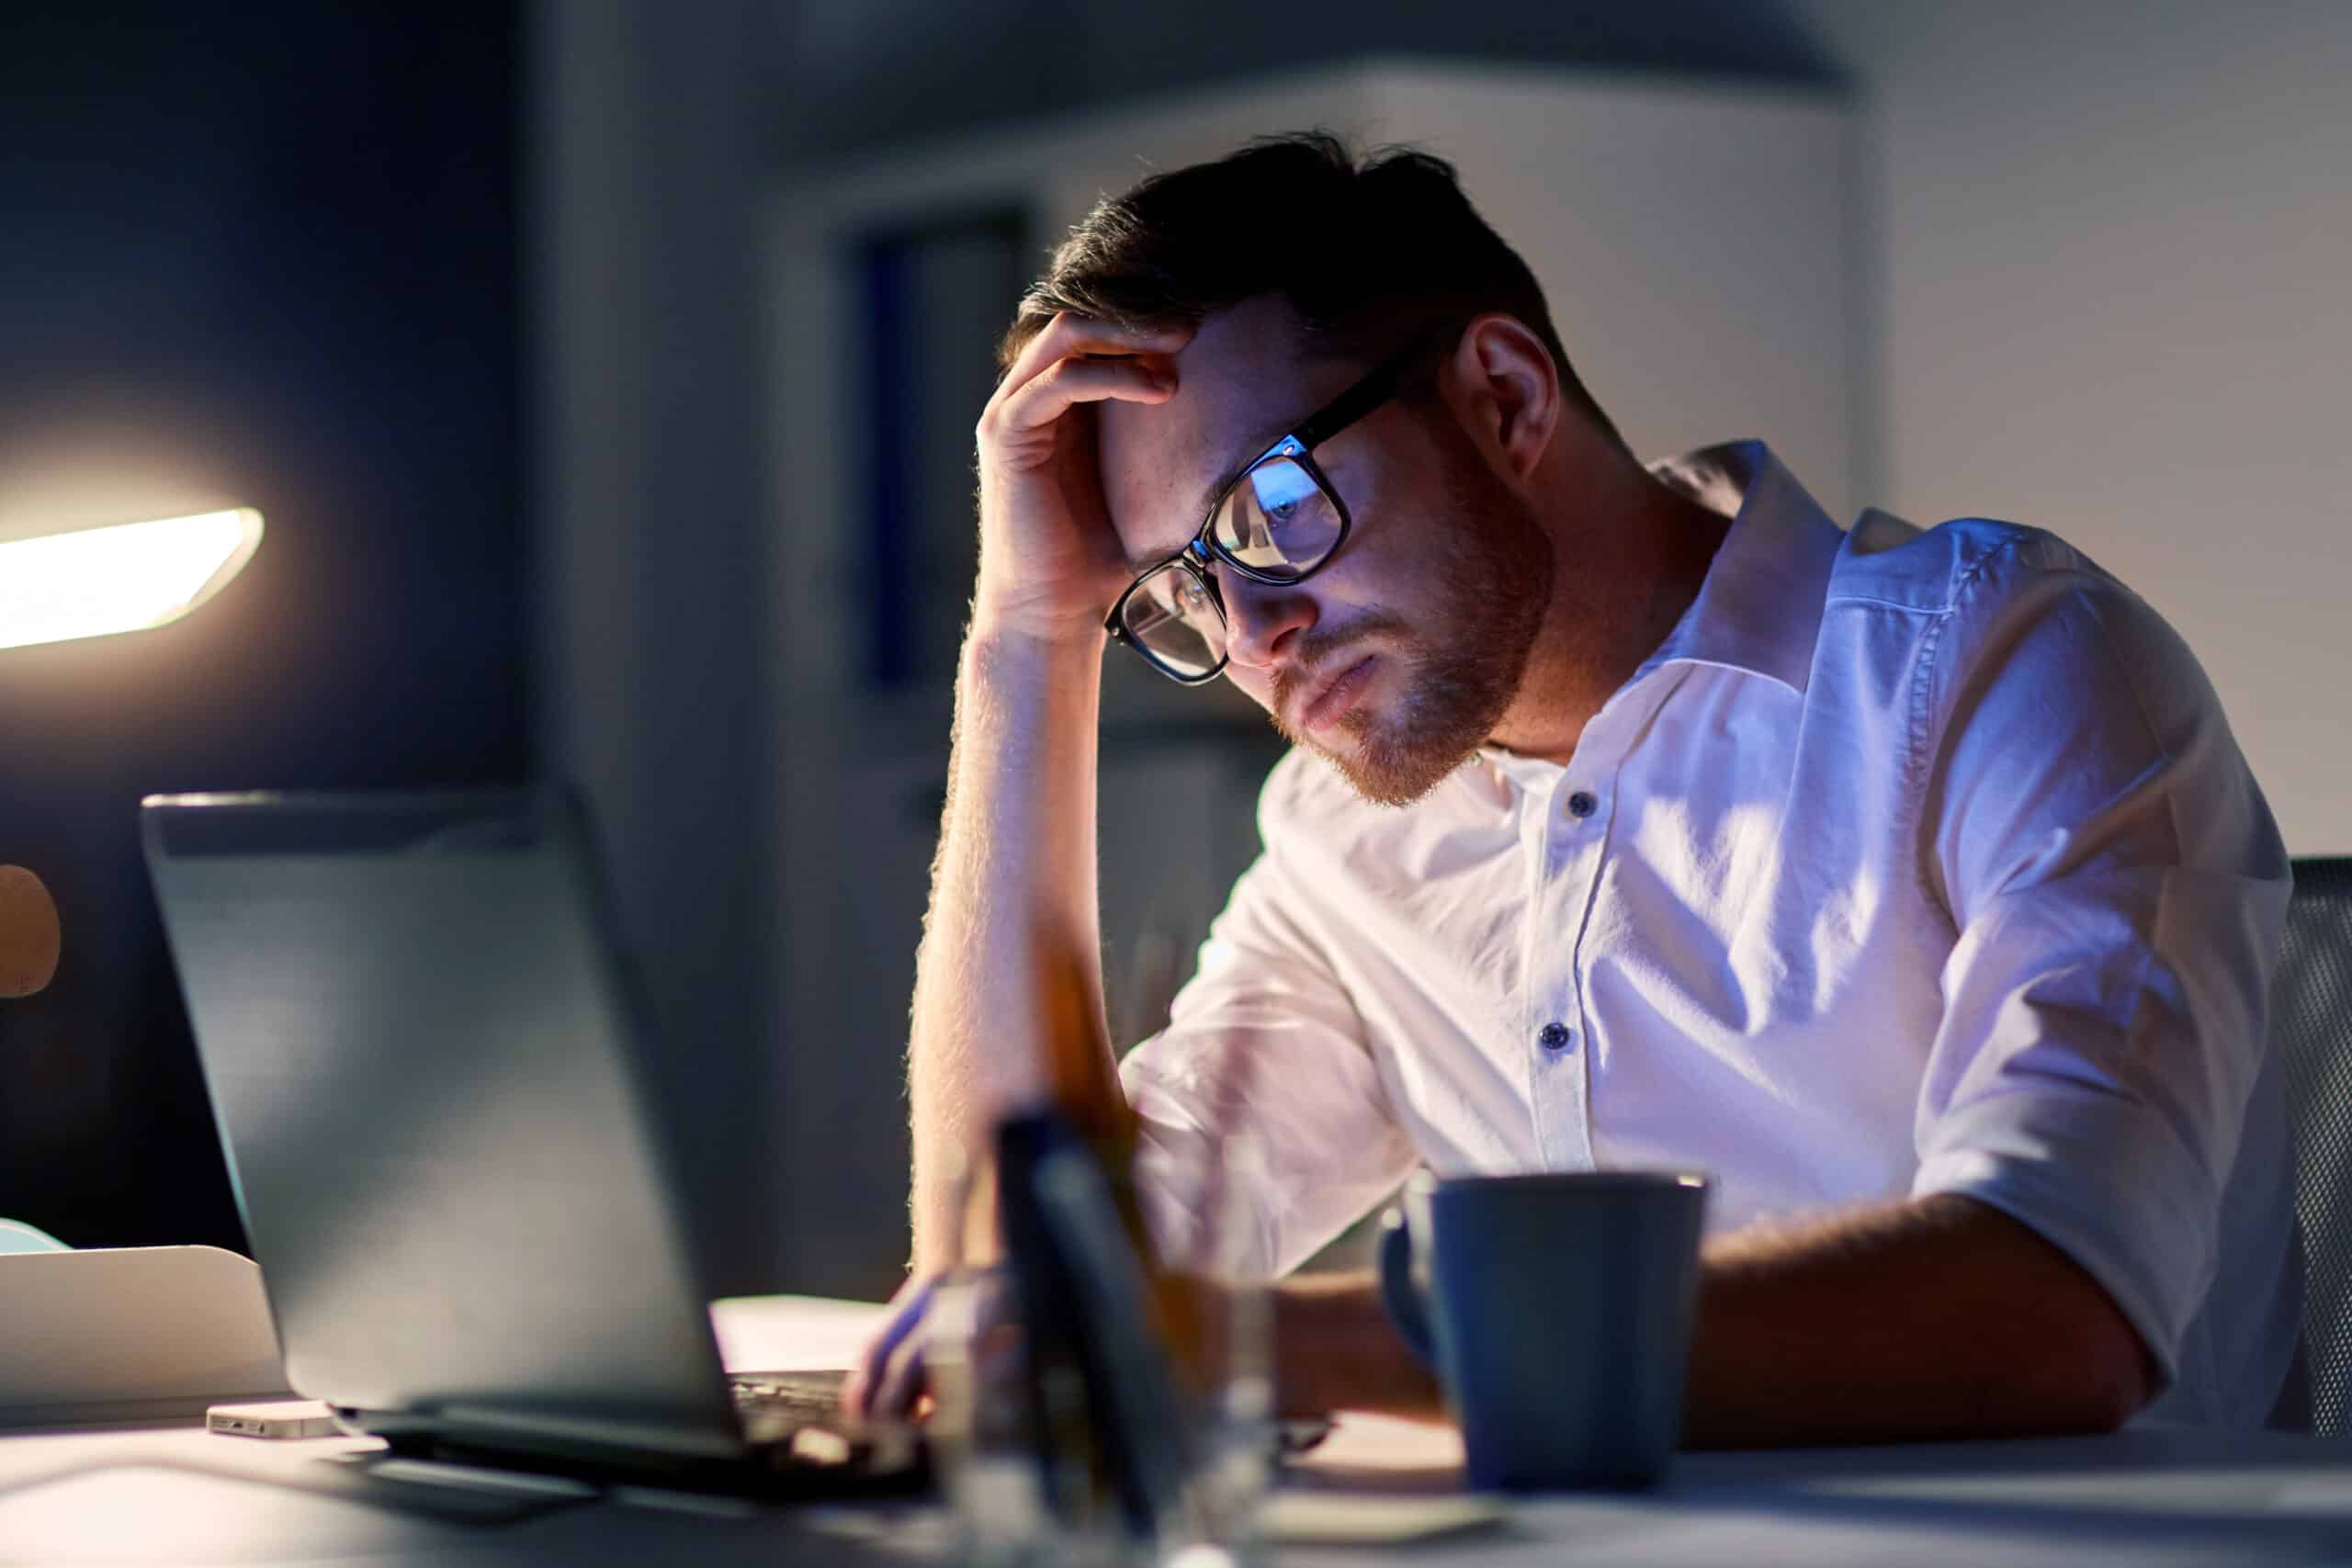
(1335, 1350)
(1012, 906)
(1931, 1318)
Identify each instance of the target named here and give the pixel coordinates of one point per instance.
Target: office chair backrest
(2311, 1027)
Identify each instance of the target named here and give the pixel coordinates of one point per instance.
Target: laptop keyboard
(795, 1419)
(764, 1399)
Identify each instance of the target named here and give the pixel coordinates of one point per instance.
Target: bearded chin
(1494, 587)
(1454, 696)
(1449, 709)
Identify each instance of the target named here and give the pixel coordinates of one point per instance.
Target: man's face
(1399, 656)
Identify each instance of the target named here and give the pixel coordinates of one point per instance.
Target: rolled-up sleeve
(2117, 889)
(1265, 1128)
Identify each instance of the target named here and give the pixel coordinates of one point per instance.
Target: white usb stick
(272, 1418)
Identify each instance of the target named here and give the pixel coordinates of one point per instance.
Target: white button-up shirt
(1914, 861)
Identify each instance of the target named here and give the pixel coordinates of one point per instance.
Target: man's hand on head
(1050, 563)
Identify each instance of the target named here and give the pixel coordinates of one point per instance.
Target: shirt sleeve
(2119, 891)
(1265, 1128)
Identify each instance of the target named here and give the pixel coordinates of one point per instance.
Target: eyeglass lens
(1278, 521)
(1172, 616)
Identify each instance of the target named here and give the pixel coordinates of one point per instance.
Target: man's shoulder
(1889, 561)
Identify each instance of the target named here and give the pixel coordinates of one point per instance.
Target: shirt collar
(1759, 607)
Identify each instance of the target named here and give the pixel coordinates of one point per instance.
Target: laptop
(423, 1050)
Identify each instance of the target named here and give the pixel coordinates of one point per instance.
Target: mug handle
(1398, 1294)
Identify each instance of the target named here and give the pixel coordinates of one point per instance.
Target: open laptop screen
(421, 1049)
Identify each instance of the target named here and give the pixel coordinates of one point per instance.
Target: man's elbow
(2126, 1380)
(2085, 1368)
(2099, 1373)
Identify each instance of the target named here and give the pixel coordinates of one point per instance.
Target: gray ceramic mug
(1557, 1310)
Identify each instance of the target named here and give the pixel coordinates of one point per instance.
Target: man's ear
(1507, 390)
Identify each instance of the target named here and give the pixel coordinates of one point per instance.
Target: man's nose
(1259, 618)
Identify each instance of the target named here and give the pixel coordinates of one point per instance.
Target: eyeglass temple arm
(1376, 387)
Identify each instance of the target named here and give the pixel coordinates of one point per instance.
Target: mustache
(1318, 647)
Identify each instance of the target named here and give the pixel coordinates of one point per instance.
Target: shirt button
(1581, 804)
(1554, 1036)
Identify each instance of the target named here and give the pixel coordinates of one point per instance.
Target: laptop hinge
(548, 1432)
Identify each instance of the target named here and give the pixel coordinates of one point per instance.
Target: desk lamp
(122, 577)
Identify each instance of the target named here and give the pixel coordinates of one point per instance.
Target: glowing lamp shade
(123, 577)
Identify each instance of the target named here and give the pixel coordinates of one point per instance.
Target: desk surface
(182, 1497)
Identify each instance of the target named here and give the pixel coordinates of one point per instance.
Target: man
(1909, 882)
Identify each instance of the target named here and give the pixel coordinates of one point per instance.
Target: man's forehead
(1239, 382)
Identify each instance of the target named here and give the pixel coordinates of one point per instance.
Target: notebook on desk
(423, 1053)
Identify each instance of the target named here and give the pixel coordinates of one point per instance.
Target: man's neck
(1620, 584)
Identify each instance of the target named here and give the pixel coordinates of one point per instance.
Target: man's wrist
(1011, 606)
(1335, 1348)
(1003, 640)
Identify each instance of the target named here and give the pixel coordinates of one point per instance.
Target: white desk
(184, 1496)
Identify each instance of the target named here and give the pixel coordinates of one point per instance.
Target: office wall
(649, 138)
(2116, 300)
(865, 75)
(258, 252)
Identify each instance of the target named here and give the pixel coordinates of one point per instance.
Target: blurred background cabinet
(1699, 245)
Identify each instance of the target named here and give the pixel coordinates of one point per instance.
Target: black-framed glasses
(1280, 522)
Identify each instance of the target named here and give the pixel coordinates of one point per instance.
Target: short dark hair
(1366, 249)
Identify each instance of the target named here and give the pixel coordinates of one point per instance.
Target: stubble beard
(1461, 673)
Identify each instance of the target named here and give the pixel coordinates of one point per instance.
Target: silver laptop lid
(420, 1048)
